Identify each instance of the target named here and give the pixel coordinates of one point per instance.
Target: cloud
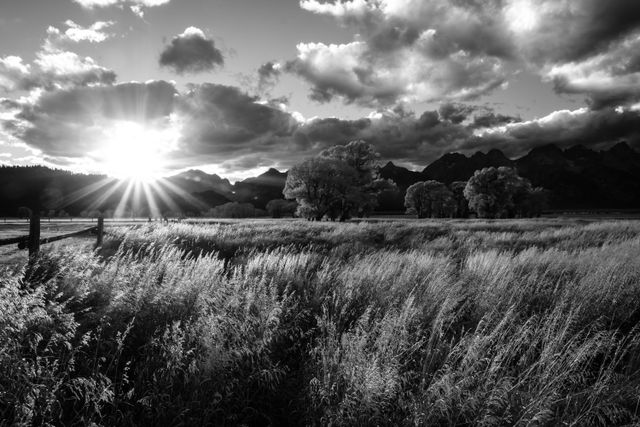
(74, 122)
(105, 3)
(223, 124)
(357, 74)
(563, 128)
(268, 76)
(560, 31)
(406, 51)
(137, 7)
(12, 72)
(610, 78)
(76, 33)
(191, 52)
(52, 69)
(217, 124)
(440, 50)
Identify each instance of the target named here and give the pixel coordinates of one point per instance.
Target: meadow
(266, 322)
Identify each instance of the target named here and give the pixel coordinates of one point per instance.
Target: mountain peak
(547, 149)
(622, 149)
(494, 152)
(273, 172)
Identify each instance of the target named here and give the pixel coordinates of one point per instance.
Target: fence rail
(32, 241)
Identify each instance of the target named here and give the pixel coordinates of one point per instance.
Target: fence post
(100, 231)
(34, 235)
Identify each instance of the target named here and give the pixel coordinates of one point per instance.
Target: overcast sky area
(238, 86)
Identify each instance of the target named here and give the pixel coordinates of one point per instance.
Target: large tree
(278, 208)
(341, 182)
(499, 193)
(429, 199)
(363, 159)
(461, 209)
(319, 185)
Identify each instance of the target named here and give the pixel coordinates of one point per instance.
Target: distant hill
(260, 189)
(578, 178)
(194, 180)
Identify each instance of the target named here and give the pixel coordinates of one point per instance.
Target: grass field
(523, 322)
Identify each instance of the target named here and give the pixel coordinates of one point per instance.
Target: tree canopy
(341, 182)
(502, 193)
(429, 199)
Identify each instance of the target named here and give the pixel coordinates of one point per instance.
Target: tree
(536, 201)
(429, 199)
(461, 205)
(234, 210)
(498, 193)
(363, 196)
(341, 182)
(320, 186)
(278, 208)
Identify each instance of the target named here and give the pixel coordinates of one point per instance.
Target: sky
(237, 86)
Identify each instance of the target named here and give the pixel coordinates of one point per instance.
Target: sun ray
(105, 196)
(166, 199)
(84, 192)
(122, 205)
(182, 194)
(150, 199)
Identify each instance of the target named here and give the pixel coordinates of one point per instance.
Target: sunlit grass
(297, 323)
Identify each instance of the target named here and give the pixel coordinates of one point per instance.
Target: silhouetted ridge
(577, 177)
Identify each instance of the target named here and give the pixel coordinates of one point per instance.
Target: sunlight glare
(133, 151)
(521, 16)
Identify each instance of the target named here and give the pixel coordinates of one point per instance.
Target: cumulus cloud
(356, 73)
(52, 69)
(439, 50)
(136, 6)
(191, 52)
(95, 33)
(407, 51)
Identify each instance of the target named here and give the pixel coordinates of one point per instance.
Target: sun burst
(132, 151)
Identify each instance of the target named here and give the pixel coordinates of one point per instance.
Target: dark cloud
(268, 76)
(609, 79)
(565, 31)
(222, 125)
(73, 122)
(455, 112)
(590, 128)
(222, 122)
(191, 52)
(442, 50)
(489, 119)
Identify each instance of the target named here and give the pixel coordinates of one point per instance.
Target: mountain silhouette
(576, 177)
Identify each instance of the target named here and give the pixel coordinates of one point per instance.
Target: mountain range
(577, 178)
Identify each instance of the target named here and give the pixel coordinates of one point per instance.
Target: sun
(134, 152)
(522, 16)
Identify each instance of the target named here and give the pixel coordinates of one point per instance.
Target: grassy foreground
(296, 323)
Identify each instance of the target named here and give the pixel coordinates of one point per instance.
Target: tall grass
(295, 323)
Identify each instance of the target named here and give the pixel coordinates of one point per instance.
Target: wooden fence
(33, 240)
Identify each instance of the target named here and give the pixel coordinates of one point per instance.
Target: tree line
(343, 182)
